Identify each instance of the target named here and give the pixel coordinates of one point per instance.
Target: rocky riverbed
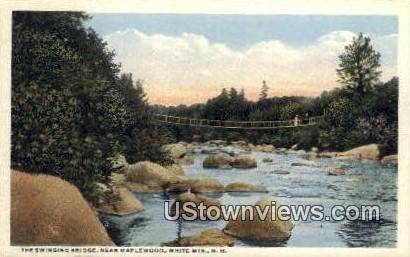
(289, 176)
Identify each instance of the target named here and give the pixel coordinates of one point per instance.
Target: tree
(264, 91)
(359, 66)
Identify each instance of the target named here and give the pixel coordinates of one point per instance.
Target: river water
(365, 182)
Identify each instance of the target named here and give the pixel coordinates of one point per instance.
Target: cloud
(189, 68)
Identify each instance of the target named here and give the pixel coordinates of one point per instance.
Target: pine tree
(359, 66)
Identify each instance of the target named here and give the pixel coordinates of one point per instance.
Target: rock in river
(260, 229)
(244, 162)
(209, 237)
(46, 210)
(336, 171)
(390, 160)
(122, 202)
(177, 207)
(216, 161)
(197, 185)
(281, 172)
(369, 152)
(149, 173)
(243, 187)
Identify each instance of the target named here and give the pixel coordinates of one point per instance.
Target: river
(365, 182)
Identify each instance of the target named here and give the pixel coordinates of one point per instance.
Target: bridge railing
(236, 124)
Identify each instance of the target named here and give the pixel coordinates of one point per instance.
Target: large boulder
(244, 162)
(46, 210)
(243, 187)
(178, 209)
(390, 160)
(175, 151)
(149, 173)
(369, 152)
(209, 237)
(258, 229)
(220, 160)
(121, 202)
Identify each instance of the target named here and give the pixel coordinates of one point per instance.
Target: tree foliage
(70, 110)
(359, 66)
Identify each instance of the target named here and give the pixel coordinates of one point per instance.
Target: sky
(186, 59)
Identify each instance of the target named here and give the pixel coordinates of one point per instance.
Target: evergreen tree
(359, 66)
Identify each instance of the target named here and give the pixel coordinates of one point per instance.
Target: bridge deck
(224, 124)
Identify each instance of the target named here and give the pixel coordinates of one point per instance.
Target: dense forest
(72, 109)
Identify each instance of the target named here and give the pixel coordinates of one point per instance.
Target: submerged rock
(46, 210)
(122, 202)
(243, 187)
(217, 161)
(281, 172)
(336, 171)
(258, 229)
(244, 162)
(209, 237)
(306, 163)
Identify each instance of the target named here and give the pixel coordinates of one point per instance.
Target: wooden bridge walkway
(227, 124)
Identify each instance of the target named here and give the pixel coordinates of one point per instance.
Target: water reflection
(361, 233)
